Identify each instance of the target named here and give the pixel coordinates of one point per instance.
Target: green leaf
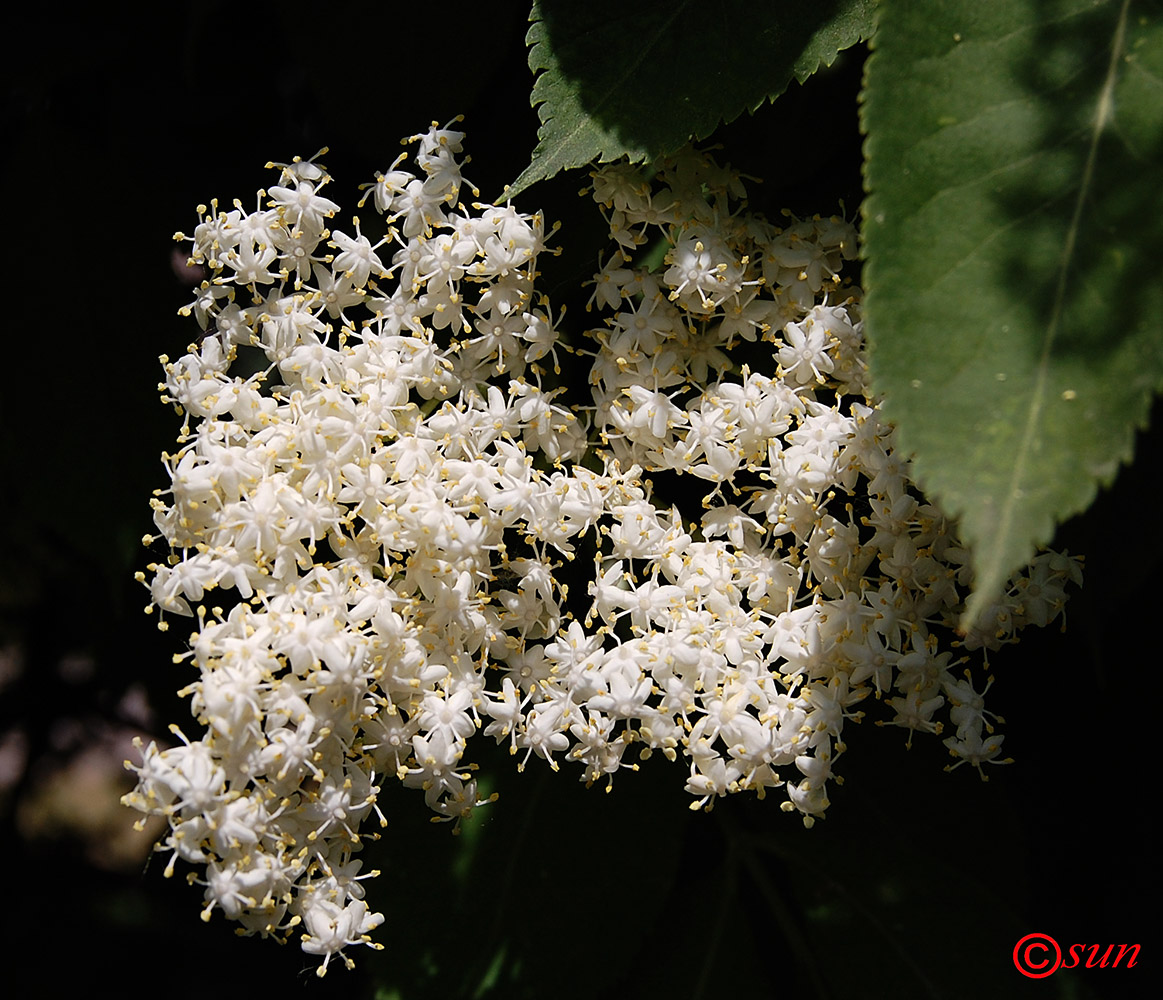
(1014, 169)
(640, 79)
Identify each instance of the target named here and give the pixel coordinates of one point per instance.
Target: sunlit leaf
(1015, 178)
(641, 79)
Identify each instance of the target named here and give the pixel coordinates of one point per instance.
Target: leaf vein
(1103, 114)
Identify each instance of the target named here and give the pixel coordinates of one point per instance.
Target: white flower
(391, 515)
(331, 927)
(804, 355)
(358, 260)
(303, 205)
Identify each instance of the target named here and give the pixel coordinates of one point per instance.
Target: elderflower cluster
(393, 490)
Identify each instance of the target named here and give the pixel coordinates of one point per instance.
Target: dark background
(917, 884)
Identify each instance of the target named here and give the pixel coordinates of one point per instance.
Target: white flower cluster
(395, 490)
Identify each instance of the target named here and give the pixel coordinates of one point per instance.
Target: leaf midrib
(1008, 511)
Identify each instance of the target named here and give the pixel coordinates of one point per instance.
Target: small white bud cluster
(378, 467)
